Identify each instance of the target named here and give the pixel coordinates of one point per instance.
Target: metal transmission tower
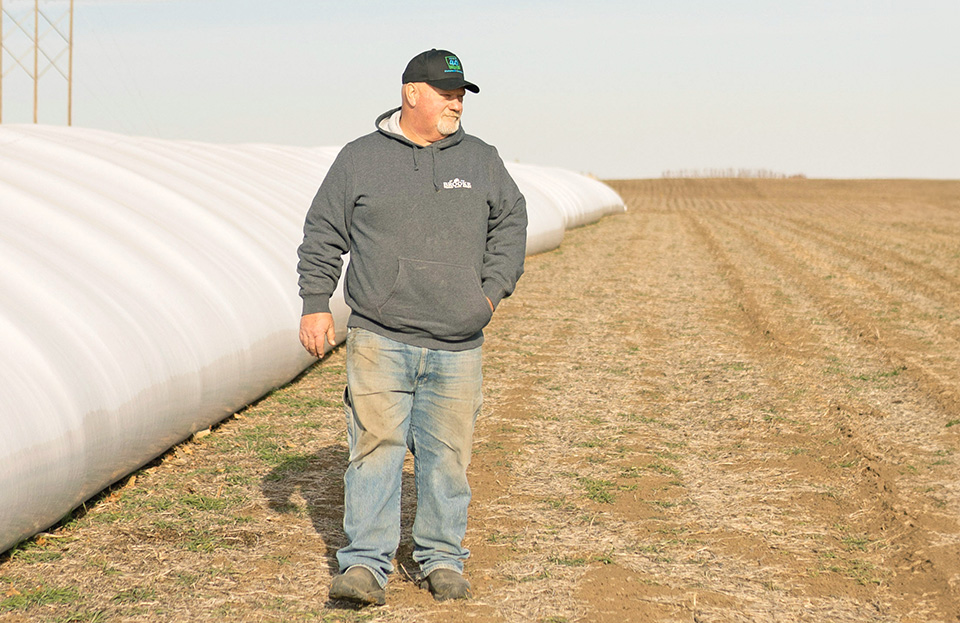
(64, 41)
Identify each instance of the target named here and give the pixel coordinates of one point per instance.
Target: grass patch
(264, 441)
(642, 419)
(33, 557)
(559, 504)
(290, 463)
(40, 596)
(195, 501)
(737, 366)
(501, 537)
(779, 419)
(296, 404)
(858, 543)
(604, 559)
(598, 490)
(846, 464)
(593, 443)
(665, 503)
(487, 446)
(662, 468)
(880, 375)
(206, 541)
(862, 571)
(135, 595)
(669, 456)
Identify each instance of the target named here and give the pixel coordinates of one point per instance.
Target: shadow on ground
(317, 483)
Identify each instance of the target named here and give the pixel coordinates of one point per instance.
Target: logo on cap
(453, 65)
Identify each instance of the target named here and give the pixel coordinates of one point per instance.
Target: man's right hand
(314, 328)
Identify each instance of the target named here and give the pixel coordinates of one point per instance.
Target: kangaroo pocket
(438, 299)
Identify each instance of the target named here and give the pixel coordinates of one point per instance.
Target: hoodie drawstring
(389, 124)
(433, 162)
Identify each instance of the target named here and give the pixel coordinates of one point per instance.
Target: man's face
(441, 108)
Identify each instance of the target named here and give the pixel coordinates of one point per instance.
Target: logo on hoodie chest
(457, 183)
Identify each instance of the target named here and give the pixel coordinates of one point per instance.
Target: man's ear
(410, 94)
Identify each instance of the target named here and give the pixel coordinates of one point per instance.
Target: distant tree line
(731, 172)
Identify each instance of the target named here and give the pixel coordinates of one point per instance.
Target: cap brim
(452, 84)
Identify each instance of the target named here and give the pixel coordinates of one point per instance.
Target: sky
(616, 89)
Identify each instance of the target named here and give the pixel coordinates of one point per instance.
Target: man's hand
(313, 329)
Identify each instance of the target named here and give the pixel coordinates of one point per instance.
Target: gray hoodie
(432, 233)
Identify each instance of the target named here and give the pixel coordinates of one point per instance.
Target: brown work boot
(448, 584)
(359, 586)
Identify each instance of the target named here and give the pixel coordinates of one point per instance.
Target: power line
(51, 58)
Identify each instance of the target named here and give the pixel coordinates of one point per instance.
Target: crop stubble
(736, 402)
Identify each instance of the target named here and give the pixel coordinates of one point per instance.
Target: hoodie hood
(388, 124)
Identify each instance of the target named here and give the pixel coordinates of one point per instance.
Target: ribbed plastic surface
(148, 289)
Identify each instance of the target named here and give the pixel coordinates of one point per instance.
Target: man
(436, 230)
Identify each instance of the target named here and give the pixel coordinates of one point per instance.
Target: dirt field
(740, 401)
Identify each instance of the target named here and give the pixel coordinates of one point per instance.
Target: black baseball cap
(438, 68)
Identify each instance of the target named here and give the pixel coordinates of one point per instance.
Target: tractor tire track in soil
(737, 402)
(875, 479)
(863, 306)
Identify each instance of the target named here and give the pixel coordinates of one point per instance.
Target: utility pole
(36, 56)
(70, 72)
(1, 61)
(51, 60)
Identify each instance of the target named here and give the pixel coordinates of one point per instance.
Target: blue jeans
(401, 397)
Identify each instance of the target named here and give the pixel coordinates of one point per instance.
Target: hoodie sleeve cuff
(315, 304)
(493, 291)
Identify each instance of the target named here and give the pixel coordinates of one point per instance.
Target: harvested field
(737, 402)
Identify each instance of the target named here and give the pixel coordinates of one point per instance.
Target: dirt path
(737, 402)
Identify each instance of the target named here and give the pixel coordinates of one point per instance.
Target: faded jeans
(399, 397)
